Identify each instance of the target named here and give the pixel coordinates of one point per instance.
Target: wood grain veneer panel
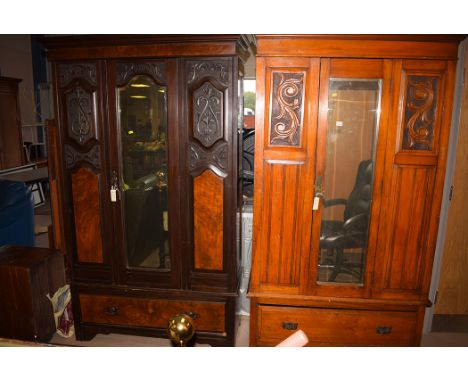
(208, 215)
(86, 207)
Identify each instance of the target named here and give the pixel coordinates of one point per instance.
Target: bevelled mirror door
(142, 116)
(345, 189)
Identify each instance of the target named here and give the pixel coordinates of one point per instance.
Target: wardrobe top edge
(357, 46)
(456, 38)
(88, 46)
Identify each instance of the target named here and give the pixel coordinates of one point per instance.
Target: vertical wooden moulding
(86, 206)
(208, 216)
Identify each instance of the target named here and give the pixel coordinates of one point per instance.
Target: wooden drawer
(337, 326)
(116, 310)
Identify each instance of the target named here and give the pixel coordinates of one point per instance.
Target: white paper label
(316, 203)
(113, 195)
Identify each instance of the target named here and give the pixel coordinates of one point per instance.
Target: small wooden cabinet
(11, 142)
(351, 144)
(146, 169)
(27, 277)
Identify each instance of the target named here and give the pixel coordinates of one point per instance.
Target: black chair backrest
(359, 200)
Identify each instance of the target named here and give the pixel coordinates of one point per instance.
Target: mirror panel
(142, 113)
(346, 188)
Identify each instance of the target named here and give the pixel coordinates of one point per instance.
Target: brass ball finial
(181, 329)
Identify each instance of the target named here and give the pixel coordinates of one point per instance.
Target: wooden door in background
(453, 284)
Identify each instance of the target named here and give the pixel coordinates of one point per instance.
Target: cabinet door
(208, 130)
(144, 188)
(413, 178)
(353, 105)
(285, 130)
(83, 142)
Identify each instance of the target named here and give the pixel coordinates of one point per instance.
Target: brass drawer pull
(112, 310)
(383, 329)
(290, 325)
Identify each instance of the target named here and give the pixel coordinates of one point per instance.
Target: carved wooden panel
(127, 70)
(208, 114)
(69, 72)
(80, 105)
(216, 159)
(87, 215)
(408, 225)
(287, 108)
(218, 69)
(420, 110)
(73, 157)
(208, 216)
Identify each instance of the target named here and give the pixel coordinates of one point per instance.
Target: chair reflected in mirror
(343, 243)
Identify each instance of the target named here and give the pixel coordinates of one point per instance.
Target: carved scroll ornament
(420, 113)
(287, 104)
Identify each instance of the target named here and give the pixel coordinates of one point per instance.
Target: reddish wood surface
(412, 190)
(360, 46)
(86, 207)
(114, 310)
(208, 196)
(337, 326)
(407, 190)
(283, 208)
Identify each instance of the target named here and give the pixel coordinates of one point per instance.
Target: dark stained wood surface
(87, 72)
(27, 275)
(11, 142)
(113, 310)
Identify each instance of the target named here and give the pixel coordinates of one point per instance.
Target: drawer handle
(290, 325)
(112, 310)
(383, 329)
(192, 315)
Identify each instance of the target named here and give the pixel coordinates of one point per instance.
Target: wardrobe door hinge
(451, 192)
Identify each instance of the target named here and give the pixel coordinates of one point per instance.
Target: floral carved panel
(208, 118)
(287, 108)
(420, 111)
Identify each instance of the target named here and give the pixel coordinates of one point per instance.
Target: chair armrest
(334, 202)
(357, 223)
